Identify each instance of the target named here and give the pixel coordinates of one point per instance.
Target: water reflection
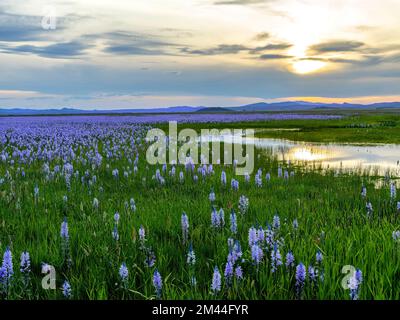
(332, 155)
(379, 158)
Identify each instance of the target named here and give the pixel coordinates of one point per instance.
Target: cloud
(19, 27)
(274, 56)
(336, 46)
(64, 50)
(132, 50)
(221, 49)
(271, 47)
(130, 43)
(240, 2)
(262, 36)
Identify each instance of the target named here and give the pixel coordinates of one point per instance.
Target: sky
(103, 54)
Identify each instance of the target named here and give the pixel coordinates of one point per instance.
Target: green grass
(329, 208)
(354, 127)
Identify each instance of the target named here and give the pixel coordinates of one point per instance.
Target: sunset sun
(308, 66)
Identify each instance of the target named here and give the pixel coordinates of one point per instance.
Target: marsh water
(377, 158)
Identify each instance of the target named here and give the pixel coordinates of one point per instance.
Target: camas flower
(216, 281)
(221, 214)
(116, 217)
(295, 224)
(132, 205)
(8, 264)
(228, 271)
(123, 272)
(289, 260)
(25, 265)
(313, 274)
(253, 236)
(115, 233)
(142, 234)
(235, 185)
(191, 257)
(276, 259)
(239, 273)
(355, 284)
(256, 254)
(396, 236)
(185, 227)
(223, 178)
(64, 230)
(243, 204)
(211, 196)
(319, 257)
(370, 209)
(276, 223)
(363, 191)
(233, 221)
(157, 283)
(66, 289)
(215, 219)
(392, 191)
(301, 274)
(258, 180)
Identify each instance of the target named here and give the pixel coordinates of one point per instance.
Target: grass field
(67, 171)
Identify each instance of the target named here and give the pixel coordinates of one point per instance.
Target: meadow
(78, 197)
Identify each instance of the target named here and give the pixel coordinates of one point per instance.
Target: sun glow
(305, 154)
(307, 66)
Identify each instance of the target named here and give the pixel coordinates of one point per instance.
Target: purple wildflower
(319, 257)
(355, 284)
(235, 185)
(216, 281)
(191, 257)
(239, 273)
(233, 221)
(25, 266)
(142, 234)
(289, 260)
(116, 217)
(66, 289)
(253, 237)
(276, 223)
(313, 274)
(243, 204)
(211, 196)
(185, 227)
(123, 272)
(228, 271)
(157, 283)
(223, 178)
(301, 274)
(215, 218)
(64, 230)
(256, 254)
(115, 233)
(276, 259)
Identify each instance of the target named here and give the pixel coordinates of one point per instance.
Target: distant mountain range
(255, 107)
